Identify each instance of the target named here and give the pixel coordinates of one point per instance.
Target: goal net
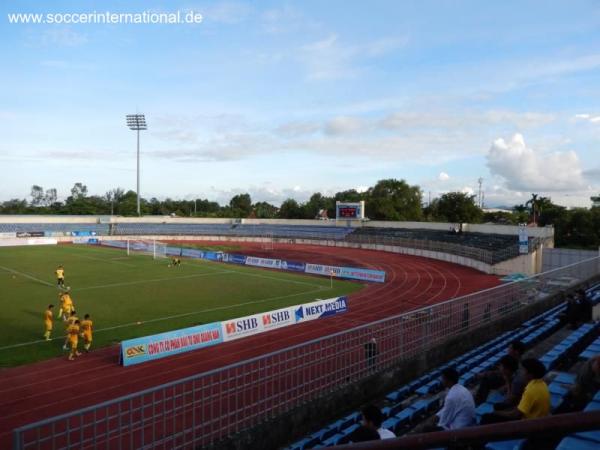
(156, 249)
(267, 242)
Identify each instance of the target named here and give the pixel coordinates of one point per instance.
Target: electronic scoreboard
(350, 210)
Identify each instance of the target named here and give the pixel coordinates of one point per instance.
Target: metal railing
(208, 407)
(544, 430)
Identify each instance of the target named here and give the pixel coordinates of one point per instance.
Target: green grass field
(119, 291)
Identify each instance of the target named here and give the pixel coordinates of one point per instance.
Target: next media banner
(320, 309)
(147, 348)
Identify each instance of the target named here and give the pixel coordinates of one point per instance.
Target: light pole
(137, 122)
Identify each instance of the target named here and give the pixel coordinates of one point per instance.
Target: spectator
(459, 408)
(585, 306)
(535, 401)
(494, 379)
(572, 312)
(363, 434)
(514, 382)
(371, 422)
(586, 386)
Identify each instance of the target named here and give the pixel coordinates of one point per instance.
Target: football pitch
(132, 296)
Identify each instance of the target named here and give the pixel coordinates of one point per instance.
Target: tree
(50, 197)
(79, 191)
(394, 200)
(290, 209)
(37, 195)
(456, 207)
(264, 210)
(241, 204)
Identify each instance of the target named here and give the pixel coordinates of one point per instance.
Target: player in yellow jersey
(73, 338)
(61, 310)
(48, 322)
(66, 305)
(70, 321)
(60, 276)
(86, 332)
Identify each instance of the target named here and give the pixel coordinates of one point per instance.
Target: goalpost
(153, 248)
(267, 241)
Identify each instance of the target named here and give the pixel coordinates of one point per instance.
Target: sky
(285, 98)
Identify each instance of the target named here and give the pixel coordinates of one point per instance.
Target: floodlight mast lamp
(137, 122)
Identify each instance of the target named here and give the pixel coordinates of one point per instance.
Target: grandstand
(408, 405)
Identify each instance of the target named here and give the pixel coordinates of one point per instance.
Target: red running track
(37, 391)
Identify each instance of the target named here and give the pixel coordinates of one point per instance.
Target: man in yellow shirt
(86, 332)
(60, 276)
(48, 322)
(535, 401)
(70, 321)
(73, 337)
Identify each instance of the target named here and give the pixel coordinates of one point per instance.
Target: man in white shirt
(372, 418)
(459, 408)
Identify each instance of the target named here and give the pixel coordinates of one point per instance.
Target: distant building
(595, 201)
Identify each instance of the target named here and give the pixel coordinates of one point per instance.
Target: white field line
(108, 261)
(285, 280)
(154, 280)
(26, 275)
(176, 316)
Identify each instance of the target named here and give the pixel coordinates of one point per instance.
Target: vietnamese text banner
(138, 350)
(263, 262)
(346, 272)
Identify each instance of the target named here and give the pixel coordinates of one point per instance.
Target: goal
(153, 248)
(267, 241)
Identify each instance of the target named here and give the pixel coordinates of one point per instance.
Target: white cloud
(587, 118)
(465, 119)
(228, 13)
(524, 169)
(467, 190)
(443, 176)
(344, 125)
(328, 59)
(61, 36)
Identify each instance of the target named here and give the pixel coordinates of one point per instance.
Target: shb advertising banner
(257, 323)
(135, 351)
(11, 234)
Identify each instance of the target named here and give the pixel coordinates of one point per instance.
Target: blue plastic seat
(333, 440)
(557, 389)
(593, 406)
(574, 443)
(505, 445)
(565, 378)
(593, 436)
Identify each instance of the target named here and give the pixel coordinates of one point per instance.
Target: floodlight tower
(137, 122)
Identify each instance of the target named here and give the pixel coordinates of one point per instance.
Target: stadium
(296, 225)
(435, 289)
